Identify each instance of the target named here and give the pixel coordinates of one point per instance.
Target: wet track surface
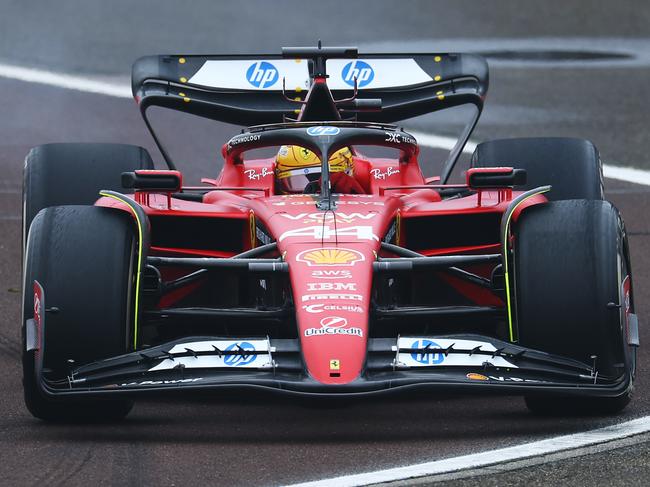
(251, 440)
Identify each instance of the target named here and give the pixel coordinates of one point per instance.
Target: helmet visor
(296, 180)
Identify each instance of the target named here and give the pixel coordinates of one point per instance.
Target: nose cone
(331, 290)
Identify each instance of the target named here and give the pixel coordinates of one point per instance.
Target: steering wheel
(312, 187)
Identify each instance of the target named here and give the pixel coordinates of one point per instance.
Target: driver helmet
(296, 167)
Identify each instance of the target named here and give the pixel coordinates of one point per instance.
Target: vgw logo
(425, 357)
(360, 70)
(262, 74)
(239, 360)
(320, 130)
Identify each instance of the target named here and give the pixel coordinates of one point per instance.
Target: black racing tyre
(73, 174)
(571, 166)
(84, 257)
(570, 264)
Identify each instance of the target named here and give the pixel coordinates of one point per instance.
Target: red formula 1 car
(351, 276)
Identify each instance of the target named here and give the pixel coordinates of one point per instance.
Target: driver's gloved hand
(342, 183)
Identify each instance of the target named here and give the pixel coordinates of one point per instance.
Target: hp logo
(239, 360)
(320, 130)
(262, 74)
(360, 70)
(425, 357)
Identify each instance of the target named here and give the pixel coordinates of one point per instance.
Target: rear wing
(310, 85)
(248, 89)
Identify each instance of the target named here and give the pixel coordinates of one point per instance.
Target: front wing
(453, 363)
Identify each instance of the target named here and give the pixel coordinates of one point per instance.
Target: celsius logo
(360, 70)
(262, 74)
(315, 131)
(239, 360)
(424, 356)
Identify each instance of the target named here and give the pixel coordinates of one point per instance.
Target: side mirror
(495, 177)
(153, 181)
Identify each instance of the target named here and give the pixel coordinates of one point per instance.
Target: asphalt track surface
(257, 440)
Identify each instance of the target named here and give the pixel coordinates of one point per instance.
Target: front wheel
(84, 259)
(573, 288)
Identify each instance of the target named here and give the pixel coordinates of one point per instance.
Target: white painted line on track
(629, 174)
(118, 90)
(441, 141)
(60, 80)
(621, 173)
(492, 457)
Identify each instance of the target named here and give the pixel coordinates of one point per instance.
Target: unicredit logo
(334, 325)
(333, 322)
(262, 74)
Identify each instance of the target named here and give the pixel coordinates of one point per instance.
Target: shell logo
(330, 256)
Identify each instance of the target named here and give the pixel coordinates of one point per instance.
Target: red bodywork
(330, 253)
